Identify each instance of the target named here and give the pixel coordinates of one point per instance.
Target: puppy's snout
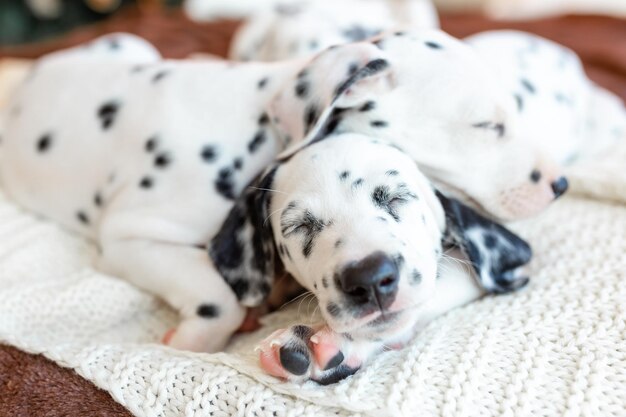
(372, 280)
(559, 187)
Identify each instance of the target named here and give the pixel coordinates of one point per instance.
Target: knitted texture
(556, 348)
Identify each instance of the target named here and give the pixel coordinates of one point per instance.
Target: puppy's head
(434, 97)
(353, 221)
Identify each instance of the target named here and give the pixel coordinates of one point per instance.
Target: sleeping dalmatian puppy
(560, 111)
(144, 157)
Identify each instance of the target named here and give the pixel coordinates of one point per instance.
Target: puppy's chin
(395, 326)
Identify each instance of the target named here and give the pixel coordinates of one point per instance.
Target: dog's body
(146, 157)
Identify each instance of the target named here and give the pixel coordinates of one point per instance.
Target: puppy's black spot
(490, 241)
(224, 184)
(379, 123)
(416, 277)
(97, 200)
(257, 141)
(338, 243)
(114, 44)
(310, 117)
(399, 260)
(208, 153)
(162, 160)
(381, 218)
(151, 144)
(358, 183)
(333, 309)
(108, 113)
(335, 361)
(344, 175)
(208, 311)
(433, 45)
(240, 287)
(137, 68)
(392, 173)
(353, 68)
(302, 332)
(238, 163)
(44, 143)
(302, 89)
(535, 176)
(295, 359)
(262, 83)
(339, 373)
(146, 183)
(370, 105)
(159, 76)
(82, 217)
(264, 119)
(325, 282)
(528, 86)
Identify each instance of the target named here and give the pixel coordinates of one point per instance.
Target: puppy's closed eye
(390, 200)
(300, 223)
(499, 128)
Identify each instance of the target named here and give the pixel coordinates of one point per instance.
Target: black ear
(243, 251)
(497, 254)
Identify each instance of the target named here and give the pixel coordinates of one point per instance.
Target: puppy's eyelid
(499, 128)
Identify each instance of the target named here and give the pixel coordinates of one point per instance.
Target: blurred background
(595, 29)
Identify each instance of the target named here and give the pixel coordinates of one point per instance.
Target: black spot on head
(151, 144)
(392, 173)
(302, 89)
(137, 68)
(353, 68)
(433, 45)
(162, 160)
(400, 33)
(490, 240)
(224, 184)
(262, 83)
(107, 113)
(44, 143)
(82, 217)
(528, 85)
(333, 309)
(257, 141)
(97, 199)
(416, 277)
(381, 218)
(379, 123)
(238, 163)
(146, 183)
(338, 243)
(370, 105)
(208, 153)
(325, 282)
(208, 311)
(358, 182)
(159, 76)
(264, 119)
(344, 175)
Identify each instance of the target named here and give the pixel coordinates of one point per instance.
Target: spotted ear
(497, 254)
(339, 78)
(243, 251)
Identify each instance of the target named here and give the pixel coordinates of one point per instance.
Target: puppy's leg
(185, 277)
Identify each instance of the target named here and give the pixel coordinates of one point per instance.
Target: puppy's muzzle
(371, 282)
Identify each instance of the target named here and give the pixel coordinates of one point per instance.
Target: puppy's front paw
(301, 353)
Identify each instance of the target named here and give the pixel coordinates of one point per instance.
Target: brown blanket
(33, 386)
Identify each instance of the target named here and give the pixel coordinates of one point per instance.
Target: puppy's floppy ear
(497, 254)
(339, 78)
(243, 251)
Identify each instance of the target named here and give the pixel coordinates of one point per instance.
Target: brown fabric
(33, 386)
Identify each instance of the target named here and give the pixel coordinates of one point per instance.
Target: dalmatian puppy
(560, 109)
(142, 156)
(301, 28)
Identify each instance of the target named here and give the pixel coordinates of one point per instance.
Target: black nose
(372, 280)
(560, 186)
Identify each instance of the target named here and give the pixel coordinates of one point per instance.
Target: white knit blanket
(556, 348)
